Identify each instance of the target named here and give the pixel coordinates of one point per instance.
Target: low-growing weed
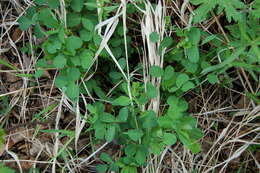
(70, 46)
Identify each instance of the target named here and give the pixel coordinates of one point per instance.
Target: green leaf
(231, 8)
(85, 35)
(156, 71)
(188, 142)
(165, 122)
(105, 157)
(166, 42)
(38, 73)
(38, 31)
(101, 168)
(193, 54)
(123, 115)
(149, 119)
(107, 118)
(53, 47)
(88, 24)
(59, 61)
(53, 3)
(168, 73)
(97, 39)
(48, 18)
(73, 74)
(154, 37)
(122, 62)
(115, 75)
(157, 148)
(76, 60)
(208, 39)
(140, 156)
(86, 58)
(110, 134)
(72, 91)
(194, 36)
(129, 169)
(228, 61)
(24, 23)
(169, 139)
(181, 79)
(130, 150)
(151, 90)
(204, 8)
(100, 131)
(190, 67)
(121, 101)
(73, 19)
(61, 81)
(77, 5)
(7, 64)
(5, 169)
(187, 86)
(173, 100)
(73, 43)
(135, 134)
(40, 2)
(212, 78)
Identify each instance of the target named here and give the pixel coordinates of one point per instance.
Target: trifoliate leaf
(135, 134)
(181, 79)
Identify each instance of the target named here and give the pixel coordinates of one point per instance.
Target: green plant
(70, 48)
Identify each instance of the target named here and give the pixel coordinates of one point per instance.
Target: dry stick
(242, 70)
(93, 154)
(21, 90)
